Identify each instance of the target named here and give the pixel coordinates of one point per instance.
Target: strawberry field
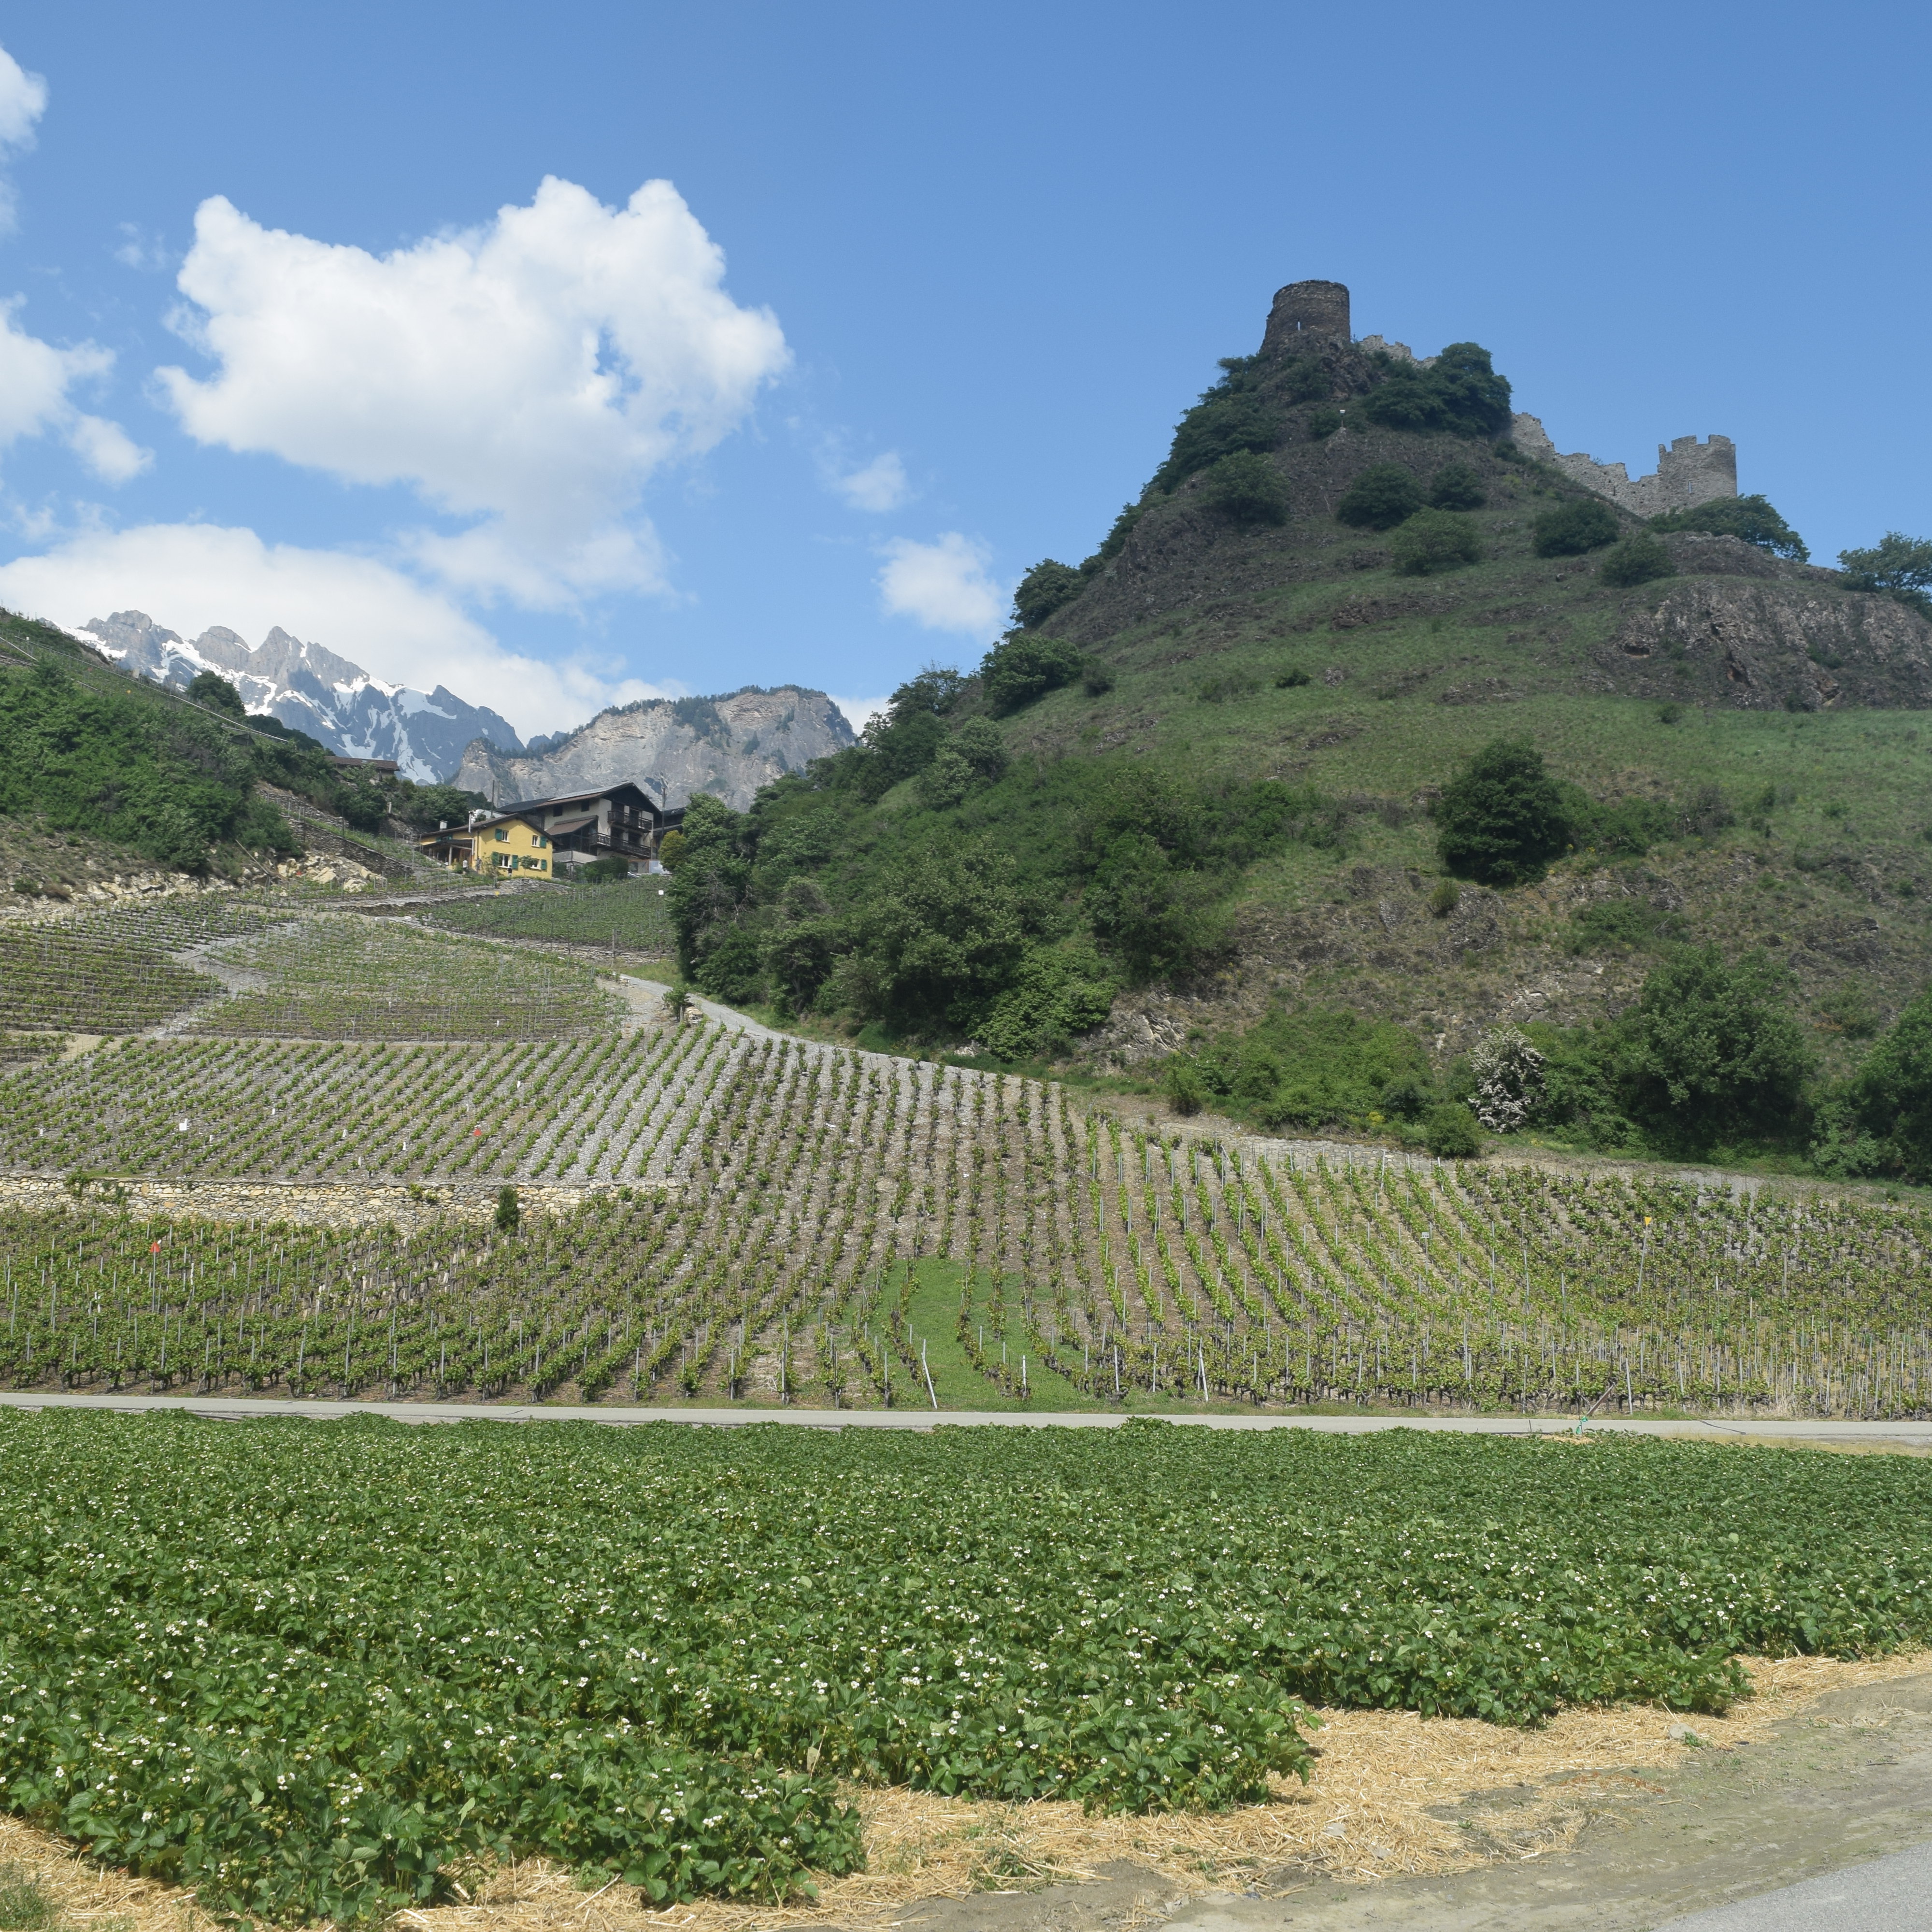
(310, 1668)
(772, 1219)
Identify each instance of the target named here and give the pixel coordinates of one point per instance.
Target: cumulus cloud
(36, 383)
(859, 711)
(881, 485)
(190, 576)
(531, 374)
(945, 586)
(23, 100)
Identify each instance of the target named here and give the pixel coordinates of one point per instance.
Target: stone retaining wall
(321, 1203)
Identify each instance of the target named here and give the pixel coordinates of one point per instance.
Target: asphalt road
(1892, 1894)
(1912, 1434)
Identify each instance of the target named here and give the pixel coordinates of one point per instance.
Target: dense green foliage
(1380, 498)
(1896, 566)
(1460, 392)
(1246, 488)
(1751, 519)
(1235, 414)
(1020, 668)
(1583, 524)
(1456, 486)
(1502, 818)
(1317, 1067)
(164, 779)
(1637, 559)
(1433, 540)
(304, 1667)
(1043, 589)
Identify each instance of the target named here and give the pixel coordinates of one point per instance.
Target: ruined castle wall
(1687, 471)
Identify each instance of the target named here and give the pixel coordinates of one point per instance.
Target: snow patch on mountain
(310, 688)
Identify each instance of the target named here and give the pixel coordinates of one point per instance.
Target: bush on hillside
(1750, 518)
(1434, 540)
(1110, 544)
(1158, 919)
(1712, 1053)
(900, 741)
(1897, 566)
(1637, 559)
(1323, 423)
(1380, 498)
(1044, 590)
(1502, 818)
(1451, 1132)
(1318, 1066)
(1460, 392)
(1583, 524)
(1892, 1097)
(1246, 488)
(1232, 416)
(1020, 668)
(1456, 486)
(603, 872)
(974, 756)
(212, 688)
(1057, 994)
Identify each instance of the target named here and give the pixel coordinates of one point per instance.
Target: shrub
(1434, 540)
(1637, 559)
(1380, 498)
(1097, 679)
(1186, 1093)
(1156, 917)
(1893, 1090)
(1315, 1066)
(1110, 543)
(1502, 818)
(1712, 1053)
(1290, 678)
(1898, 566)
(1232, 416)
(212, 688)
(1508, 1073)
(601, 870)
(1456, 486)
(1323, 423)
(671, 849)
(509, 1211)
(1460, 392)
(1246, 488)
(1057, 993)
(1044, 590)
(1447, 896)
(1751, 518)
(1623, 925)
(1020, 668)
(1570, 529)
(733, 967)
(1451, 1132)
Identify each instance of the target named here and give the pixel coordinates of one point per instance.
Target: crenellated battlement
(1688, 471)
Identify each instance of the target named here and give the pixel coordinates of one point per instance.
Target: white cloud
(860, 711)
(881, 485)
(23, 100)
(945, 586)
(188, 576)
(531, 374)
(35, 380)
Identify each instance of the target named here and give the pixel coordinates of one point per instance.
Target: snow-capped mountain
(311, 689)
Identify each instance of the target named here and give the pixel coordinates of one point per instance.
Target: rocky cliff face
(728, 746)
(311, 689)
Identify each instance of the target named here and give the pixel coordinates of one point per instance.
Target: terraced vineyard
(776, 1218)
(110, 972)
(628, 916)
(349, 978)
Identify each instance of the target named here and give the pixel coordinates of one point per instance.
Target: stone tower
(1305, 313)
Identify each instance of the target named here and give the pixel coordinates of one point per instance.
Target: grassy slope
(1834, 875)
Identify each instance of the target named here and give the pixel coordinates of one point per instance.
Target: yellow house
(493, 842)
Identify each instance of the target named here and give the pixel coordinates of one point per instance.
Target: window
(501, 834)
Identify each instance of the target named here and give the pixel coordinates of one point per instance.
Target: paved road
(1918, 1435)
(1892, 1894)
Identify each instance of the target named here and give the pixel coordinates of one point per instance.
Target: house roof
(584, 797)
(567, 825)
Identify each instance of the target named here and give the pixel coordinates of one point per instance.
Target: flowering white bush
(1509, 1079)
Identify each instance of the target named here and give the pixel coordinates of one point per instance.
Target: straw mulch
(1383, 1781)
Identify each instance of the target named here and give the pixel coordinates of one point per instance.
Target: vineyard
(307, 1668)
(627, 916)
(766, 1218)
(346, 978)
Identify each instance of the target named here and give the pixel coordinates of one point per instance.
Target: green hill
(1197, 785)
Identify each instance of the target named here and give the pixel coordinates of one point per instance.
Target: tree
(1750, 519)
(211, 689)
(1020, 668)
(1043, 590)
(1153, 916)
(1583, 524)
(1380, 498)
(1057, 994)
(1711, 1052)
(671, 849)
(677, 1001)
(944, 934)
(1897, 566)
(1246, 488)
(1434, 540)
(1502, 818)
(1233, 414)
(509, 1211)
(1637, 559)
(979, 742)
(1456, 486)
(1893, 1089)
(1451, 1133)
(1508, 1073)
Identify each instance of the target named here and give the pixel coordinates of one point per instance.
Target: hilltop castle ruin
(1687, 471)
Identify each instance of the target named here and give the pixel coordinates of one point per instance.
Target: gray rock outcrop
(728, 746)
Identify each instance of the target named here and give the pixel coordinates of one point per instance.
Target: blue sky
(299, 335)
